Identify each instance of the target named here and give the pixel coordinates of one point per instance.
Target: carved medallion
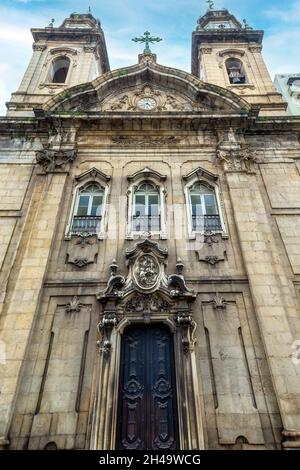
(146, 271)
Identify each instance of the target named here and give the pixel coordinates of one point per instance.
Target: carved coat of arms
(146, 271)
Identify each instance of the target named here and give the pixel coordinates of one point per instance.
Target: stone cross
(210, 4)
(147, 38)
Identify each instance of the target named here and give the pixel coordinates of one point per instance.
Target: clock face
(147, 103)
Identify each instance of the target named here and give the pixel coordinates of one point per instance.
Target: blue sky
(173, 20)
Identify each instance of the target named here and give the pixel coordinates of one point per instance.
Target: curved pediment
(147, 88)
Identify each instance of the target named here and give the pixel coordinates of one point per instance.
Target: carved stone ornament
(84, 240)
(82, 250)
(148, 98)
(146, 271)
(147, 304)
(53, 160)
(81, 262)
(210, 238)
(210, 259)
(218, 302)
(145, 141)
(237, 157)
(74, 306)
(187, 323)
(147, 292)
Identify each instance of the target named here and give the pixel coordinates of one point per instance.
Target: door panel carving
(147, 417)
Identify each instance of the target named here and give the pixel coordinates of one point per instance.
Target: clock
(147, 103)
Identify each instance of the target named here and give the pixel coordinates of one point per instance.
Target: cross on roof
(210, 4)
(147, 39)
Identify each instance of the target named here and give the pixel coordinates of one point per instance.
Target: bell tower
(228, 53)
(69, 55)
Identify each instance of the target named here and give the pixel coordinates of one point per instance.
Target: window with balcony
(88, 210)
(146, 209)
(204, 209)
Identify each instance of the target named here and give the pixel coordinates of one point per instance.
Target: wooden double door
(147, 409)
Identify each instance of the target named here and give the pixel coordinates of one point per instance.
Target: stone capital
(55, 161)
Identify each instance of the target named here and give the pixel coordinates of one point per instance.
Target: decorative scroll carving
(109, 320)
(146, 140)
(74, 306)
(52, 160)
(148, 291)
(147, 304)
(237, 158)
(39, 47)
(210, 238)
(81, 262)
(211, 259)
(125, 306)
(84, 240)
(218, 302)
(159, 100)
(82, 250)
(186, 322)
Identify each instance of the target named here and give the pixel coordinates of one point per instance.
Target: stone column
(270, 287)
(22, 302)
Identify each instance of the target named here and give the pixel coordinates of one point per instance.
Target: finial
(113, 267)
(211, 4)
(179, 266)
(147, 38)
(90, 10)
(246, 25)
(51, 23)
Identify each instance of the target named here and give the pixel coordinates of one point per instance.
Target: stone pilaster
(270, 288)
(27, 277)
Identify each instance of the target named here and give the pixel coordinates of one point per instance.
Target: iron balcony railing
(86, 224)
(146, 223)
(206, 223)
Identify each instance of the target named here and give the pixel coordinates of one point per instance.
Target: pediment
(147, 88)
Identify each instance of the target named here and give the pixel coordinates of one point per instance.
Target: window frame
(237, 59)
(187, 190)
(101, 233)
(52, 60)
(131, 205)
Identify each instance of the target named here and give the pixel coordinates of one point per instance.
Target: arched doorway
(147, 402)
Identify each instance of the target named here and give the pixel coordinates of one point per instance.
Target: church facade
(149, 248)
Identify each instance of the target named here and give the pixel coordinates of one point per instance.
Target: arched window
(59, 70)
(88, 210)
(236, 72)
(146, 209)
(204, 210)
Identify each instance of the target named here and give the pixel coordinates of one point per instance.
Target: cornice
(189, 121)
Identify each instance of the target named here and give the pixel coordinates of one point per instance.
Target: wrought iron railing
(86, 224)
(146, 223)
(206, 223)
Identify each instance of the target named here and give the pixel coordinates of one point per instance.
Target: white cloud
(282, 51)
(290, 14)
(11, 33)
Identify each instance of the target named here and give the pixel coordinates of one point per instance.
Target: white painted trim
(196, 179)
(75, 200)
(130, 234)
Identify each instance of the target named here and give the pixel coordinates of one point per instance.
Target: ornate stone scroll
(52, 161)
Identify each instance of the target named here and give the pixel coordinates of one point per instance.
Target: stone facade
(229, 295)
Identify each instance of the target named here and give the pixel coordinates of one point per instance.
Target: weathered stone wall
(47, 381)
